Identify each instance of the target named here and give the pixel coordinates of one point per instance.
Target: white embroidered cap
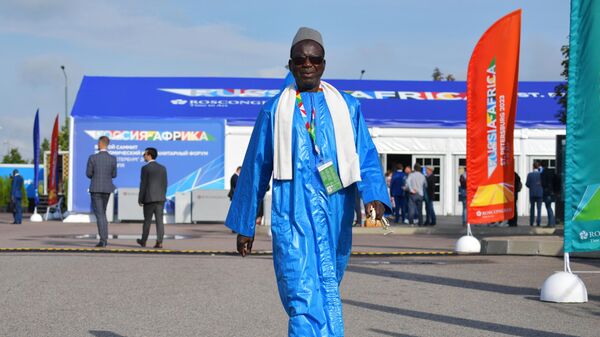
(305, 33)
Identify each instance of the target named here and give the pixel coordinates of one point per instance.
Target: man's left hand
(379, 209)
(244, 245)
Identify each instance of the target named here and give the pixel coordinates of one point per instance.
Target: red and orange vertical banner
(53, 169)
(492, 81)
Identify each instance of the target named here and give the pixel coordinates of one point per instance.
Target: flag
(492, 80)
(582, 177)
(53, 170)
(36, 156)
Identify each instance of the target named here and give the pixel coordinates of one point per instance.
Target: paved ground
(113, 295)
(56, 234)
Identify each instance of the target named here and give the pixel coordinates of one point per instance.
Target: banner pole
(567, 263)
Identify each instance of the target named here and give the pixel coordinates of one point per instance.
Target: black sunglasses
(314, 60)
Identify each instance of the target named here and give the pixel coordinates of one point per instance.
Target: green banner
(582, 180)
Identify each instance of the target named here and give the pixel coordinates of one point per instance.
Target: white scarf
(348, 164)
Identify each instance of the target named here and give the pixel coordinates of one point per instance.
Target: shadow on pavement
(389, 333)
(89, 244)
(103, 333)
(399, 247)
(445, 281)
(462, 322)
(451, 282)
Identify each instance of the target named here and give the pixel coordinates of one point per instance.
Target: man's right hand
(244, 245)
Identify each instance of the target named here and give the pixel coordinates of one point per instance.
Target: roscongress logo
(589, 235)
(152, 135)
(178, 101)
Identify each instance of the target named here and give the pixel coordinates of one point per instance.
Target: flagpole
(66, 94)
(35, 217)
(581, 145)
(492, 79)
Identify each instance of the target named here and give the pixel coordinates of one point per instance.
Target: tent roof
(415, 104)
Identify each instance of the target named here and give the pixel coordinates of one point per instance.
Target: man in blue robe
(315, 182)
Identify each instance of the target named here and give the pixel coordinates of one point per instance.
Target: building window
(546, 163)
(434, 162)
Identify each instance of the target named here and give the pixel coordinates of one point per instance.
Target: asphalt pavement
(213, 294)
(114, 295)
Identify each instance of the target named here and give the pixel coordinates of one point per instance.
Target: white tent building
(410, 121)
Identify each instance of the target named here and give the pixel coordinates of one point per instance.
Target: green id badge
(329, 177)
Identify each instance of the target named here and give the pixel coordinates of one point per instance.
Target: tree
(13, 157)
(45, 146)
(439, 76)
(560, 90)
(63, 138)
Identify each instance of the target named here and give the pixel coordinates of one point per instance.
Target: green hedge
(5, 193)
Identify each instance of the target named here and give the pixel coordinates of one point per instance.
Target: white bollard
(35, 217)
(564, 287)
(468, 244)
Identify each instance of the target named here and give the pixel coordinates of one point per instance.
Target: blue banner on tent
(415, 104)
(191, 150)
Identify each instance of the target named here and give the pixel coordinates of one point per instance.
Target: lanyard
(309, 124)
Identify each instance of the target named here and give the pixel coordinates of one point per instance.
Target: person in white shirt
(416, 183)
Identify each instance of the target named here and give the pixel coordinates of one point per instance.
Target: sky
(389, 39)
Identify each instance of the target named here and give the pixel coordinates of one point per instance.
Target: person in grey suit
(152, 196)
(536, 192)
(101, 169)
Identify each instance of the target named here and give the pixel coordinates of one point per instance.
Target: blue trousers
(548, 199)
(415, 209)
(429, 212)
(399, 208)
(536, 203)
(464, 211)
(18, 213)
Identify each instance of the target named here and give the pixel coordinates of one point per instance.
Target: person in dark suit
(518, 185)
(16, 196)
(101, 169)
(430, 196)
(233, 182)
(536, 192)
(398, 193)
(152, 196)
(548, 185)
(462, 195)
